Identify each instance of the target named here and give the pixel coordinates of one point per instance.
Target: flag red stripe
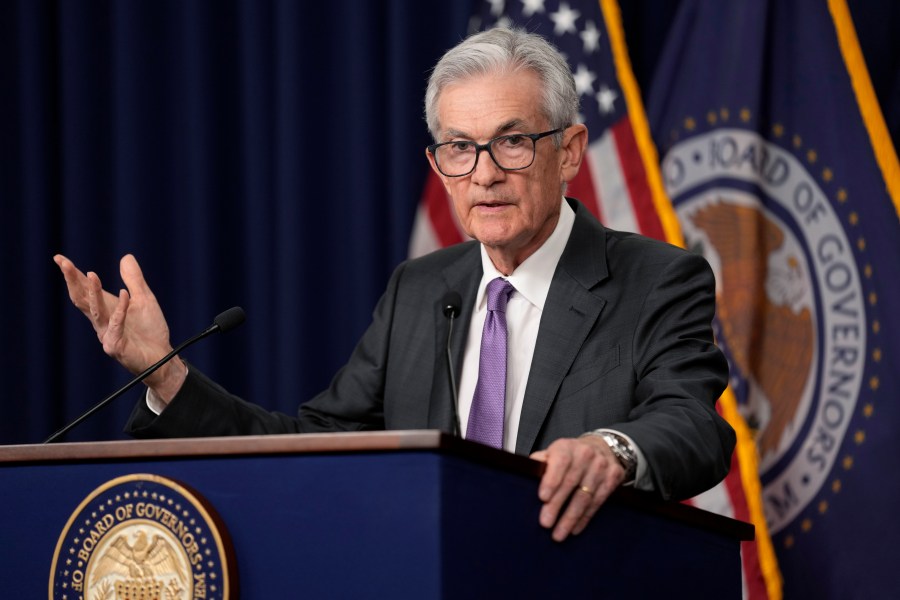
(753, 577)
(635, 177)
(582, 187)
(736, 490)
(438, 206)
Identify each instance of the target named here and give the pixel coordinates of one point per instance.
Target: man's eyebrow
(514, 124)
(456, 133)
(508, 126)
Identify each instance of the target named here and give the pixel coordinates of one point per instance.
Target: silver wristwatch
(624, 452)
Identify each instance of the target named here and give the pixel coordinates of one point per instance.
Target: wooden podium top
(331, 443)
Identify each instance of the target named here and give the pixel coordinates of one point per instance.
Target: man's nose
(486, 170)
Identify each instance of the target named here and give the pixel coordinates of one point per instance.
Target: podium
(414, 514)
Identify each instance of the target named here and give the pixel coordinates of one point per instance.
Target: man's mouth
(492, 204)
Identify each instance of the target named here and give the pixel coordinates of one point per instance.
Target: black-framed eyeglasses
(512, 152)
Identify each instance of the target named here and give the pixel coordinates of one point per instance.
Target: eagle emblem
(766, 329)
(140, 568)
(142, 537)
(791, 304)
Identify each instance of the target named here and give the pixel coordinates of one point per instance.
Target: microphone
(225, 321)
(450, 305)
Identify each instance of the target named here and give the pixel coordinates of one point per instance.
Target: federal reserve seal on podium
(142, 537)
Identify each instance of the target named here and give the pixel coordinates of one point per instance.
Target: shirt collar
(532, 278)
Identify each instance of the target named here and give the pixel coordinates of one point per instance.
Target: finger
(97, 310)
(562, 493)
(76, 282)
(586, 501)
(610, 477)
(581, 502)
(581, 491)
(133, 276)
(68, 268)
(587, 516)
(116, 326)
(62, 262)
(599, 498)
(540, 455)
(558, 460)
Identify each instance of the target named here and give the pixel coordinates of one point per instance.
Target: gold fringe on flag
(647, 149)
(748, 459)
(746, 446)
(885, 155)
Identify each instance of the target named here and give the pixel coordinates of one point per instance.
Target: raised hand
(130, 325)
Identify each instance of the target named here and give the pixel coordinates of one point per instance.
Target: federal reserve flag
(775, 156)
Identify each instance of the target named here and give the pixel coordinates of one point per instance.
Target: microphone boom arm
(225, 321)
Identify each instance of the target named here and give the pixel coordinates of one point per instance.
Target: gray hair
(503, 50)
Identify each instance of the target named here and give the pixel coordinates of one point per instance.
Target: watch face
(623, 452)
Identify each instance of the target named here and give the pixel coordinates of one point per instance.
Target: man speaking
(585, 348)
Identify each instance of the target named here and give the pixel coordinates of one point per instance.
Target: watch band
(623, 452)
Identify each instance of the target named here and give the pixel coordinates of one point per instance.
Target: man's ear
(574, 145)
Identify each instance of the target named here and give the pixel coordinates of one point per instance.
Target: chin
(491, 238)
(493, 230)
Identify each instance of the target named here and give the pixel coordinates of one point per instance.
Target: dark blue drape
(261, 153)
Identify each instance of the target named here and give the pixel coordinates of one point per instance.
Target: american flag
(619, 180)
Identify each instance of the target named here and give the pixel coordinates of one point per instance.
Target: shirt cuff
(154, 403)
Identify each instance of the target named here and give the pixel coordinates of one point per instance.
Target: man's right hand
(131, 326)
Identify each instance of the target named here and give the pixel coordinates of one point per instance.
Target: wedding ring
(586, 490)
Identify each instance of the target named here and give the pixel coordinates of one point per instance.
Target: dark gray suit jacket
(625, 342)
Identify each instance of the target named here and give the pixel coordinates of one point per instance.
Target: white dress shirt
(531, 281)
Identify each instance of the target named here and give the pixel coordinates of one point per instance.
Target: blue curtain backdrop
(262, 153)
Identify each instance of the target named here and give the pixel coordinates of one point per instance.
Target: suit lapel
(462, 276)
(570, 313)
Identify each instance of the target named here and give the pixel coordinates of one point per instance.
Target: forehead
(483, 106)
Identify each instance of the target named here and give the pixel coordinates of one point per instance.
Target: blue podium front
(375, 515)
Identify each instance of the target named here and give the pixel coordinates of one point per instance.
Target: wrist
(622, 449)
(167, 381)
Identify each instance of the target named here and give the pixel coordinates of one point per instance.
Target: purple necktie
(486, 415)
